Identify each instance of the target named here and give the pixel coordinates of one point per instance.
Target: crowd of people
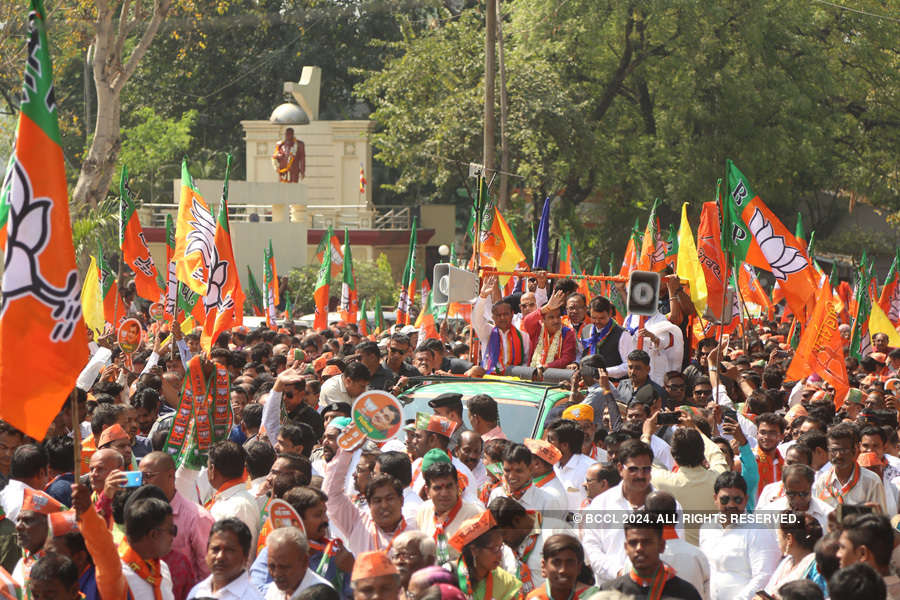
(640, 483)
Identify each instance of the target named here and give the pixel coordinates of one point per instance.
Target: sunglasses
(723, 500)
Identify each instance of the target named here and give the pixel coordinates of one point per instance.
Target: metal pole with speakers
(643, 298)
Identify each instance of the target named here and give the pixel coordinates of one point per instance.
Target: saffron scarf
(834, 489)
(547, 349)
(225, 486)
(148, 570)
(440, 533)
(656, 583)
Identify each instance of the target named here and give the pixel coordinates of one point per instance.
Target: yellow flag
(879, 323)
(91, 302)
(688, 266)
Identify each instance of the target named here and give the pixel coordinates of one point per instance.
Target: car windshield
(517, 415)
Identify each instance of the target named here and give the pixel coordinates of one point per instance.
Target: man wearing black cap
(449, 405)
(370, 355)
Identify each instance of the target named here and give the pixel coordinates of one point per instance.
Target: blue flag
(542, 243)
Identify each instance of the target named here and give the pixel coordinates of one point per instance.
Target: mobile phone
(133, 479)
(847, 510)
(730, 413)
(299, 355)
(668, 418)
(765, 594)
(589, 372)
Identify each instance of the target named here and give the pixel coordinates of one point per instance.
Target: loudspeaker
(452, 284)
(643, 293)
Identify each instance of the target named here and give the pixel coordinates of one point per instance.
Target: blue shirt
(87, 583)
(60, 489)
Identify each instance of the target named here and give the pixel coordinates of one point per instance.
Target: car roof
(509, 388)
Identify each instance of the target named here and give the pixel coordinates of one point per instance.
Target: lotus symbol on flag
(28, 231)
(218, 275)
(782, 259)
(201, 238)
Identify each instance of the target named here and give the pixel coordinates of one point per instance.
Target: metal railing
(318, 216)
(154, 214)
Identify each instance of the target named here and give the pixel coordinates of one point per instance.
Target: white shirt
(560, 499)
(663, 358)
(869, 488)
(479, 475)
(741, 560)
(817, 509)
(604, 545)
(662, 454)
(141, 590)
(239, 589)
(412, 502)
(238, 502)
(689, 563)
(333, 390)
(572, 476)
(484, 326)
(309, 580)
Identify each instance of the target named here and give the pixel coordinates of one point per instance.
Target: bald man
(106, 478)
(193, 521)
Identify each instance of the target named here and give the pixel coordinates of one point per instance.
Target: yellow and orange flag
(195, 232)
(40, 310)
(499, 248)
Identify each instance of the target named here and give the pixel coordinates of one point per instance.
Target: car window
(517, 417)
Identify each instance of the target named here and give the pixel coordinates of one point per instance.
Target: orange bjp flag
(43, 339)
(135, 252)
(712, 259)
(821, 346)
(225, 299)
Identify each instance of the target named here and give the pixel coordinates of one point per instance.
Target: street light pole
(490, 36)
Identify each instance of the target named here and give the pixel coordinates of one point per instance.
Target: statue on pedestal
(289, 159)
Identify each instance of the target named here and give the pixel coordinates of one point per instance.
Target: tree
(118, 49)
(373, 280)
(615, 103)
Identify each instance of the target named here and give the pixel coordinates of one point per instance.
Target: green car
(523, 405)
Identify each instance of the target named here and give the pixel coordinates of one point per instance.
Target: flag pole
(76, 436)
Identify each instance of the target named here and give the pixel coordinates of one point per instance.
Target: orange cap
(544, 450)
(579, 412)
(798, 410)
(880, 357)
(331, 371)
(472, 529)
(869, 459)
(320, 363)
(372, 564)
(435, 424)
(63, 522)
(39, 502)
(284, 331)
(111, 434)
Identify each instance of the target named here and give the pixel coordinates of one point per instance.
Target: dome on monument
(289, 114)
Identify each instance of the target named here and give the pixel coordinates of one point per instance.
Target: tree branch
(160, 10)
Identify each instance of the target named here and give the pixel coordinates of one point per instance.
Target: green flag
(736, 236)
(799, 231)
(860, 341)
(379, 316)
(254, 293)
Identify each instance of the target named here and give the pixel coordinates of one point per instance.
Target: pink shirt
(494, 434)
(193, 522)
(359, 527)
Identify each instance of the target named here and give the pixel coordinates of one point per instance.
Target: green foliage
(94, 226)
(151, 142)
(615, 103)
(373, 280)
